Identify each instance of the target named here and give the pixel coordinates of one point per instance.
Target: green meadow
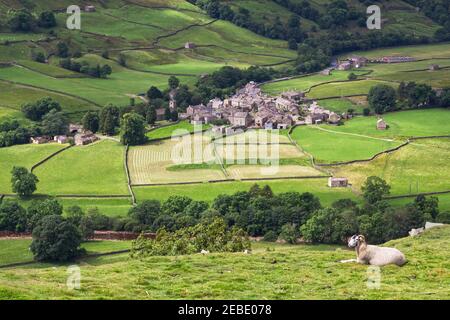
(116, 89)
(419, 167)
(410, 123)
(17, 250)
(272, 271)
(429, 51)
(305, 83)
(183, 127)
(209, 191)
(345, 89)
(329, 147)
(14, 96)
(22, 155)
(444, 201)
(95, 169)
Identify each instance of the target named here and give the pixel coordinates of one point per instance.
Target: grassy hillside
(22, 155)
(419, 167)
(270, 272)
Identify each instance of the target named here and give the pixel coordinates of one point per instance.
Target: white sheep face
(353, 241)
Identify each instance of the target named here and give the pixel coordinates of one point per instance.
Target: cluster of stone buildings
(77, 134)
(353, 62)
(357, 62)
(250, 108)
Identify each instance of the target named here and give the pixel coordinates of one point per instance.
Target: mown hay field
(274, 170)
(149, 164)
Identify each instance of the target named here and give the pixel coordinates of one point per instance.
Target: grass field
(344, 89)
(419, 167)
(17, 250)
(284, 272)
(342, 105)
(14, 96)
(411, 123)
(115, 89)
(22, 155)
(95, 169)
(430, 51)
(444, 202)
(328, 147)
(305, 83)
(167, 131)
(209, 191)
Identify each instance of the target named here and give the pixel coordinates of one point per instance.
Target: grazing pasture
(411, 123)
(419, 167)
(345, 89)
(17, 250)
(209, 191)
(329, 146)
(22, 156)
(259, 275)
(115, 89)
(429, 51)
(304, 83)
(14, 96)
(167, 131)
(95, 169)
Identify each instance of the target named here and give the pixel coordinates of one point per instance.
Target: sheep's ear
(361, 238)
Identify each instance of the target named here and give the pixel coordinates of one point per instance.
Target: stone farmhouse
(250, 108)
(79, 135)
(85, 138)
(353, 62)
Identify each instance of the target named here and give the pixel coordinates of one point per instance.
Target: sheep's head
(355, 240)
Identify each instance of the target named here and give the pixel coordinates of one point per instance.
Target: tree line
(409, 95)
(257, 212)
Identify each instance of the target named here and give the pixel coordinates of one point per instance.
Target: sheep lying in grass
(373, 255)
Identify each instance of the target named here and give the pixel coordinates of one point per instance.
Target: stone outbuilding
(381, 124)
(337, 182)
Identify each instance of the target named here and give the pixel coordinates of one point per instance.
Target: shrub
(39, 209)
(145, 212)
(270, 236)
(13, 217)
(289, 233)
(213, 237)
(443, 217)
(56, 239)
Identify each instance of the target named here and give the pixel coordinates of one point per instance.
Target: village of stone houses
(224, 150)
